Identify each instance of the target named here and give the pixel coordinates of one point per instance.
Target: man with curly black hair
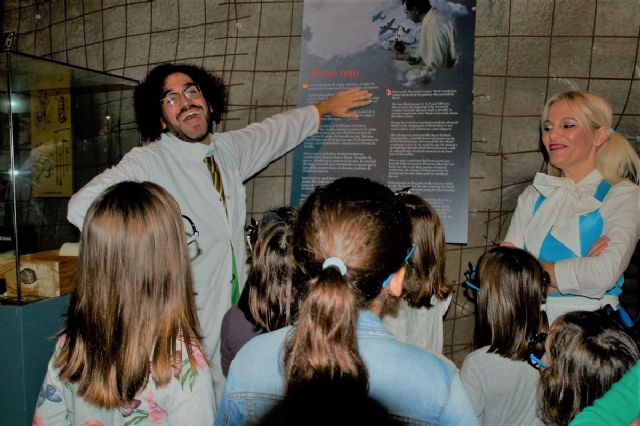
(153, 118)
(177, 108)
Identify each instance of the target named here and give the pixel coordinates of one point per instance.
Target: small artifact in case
(42, 274)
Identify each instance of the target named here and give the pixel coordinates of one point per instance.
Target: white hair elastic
(610, 131)
(337, 262)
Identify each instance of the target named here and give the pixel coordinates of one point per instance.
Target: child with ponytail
(351, 243)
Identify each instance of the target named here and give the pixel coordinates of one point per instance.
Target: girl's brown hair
(272, 299)
(363, 224)
(588, 352)
(425, 276)
(133, 297)
(512, 291)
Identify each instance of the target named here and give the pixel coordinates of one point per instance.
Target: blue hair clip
(619, 315)
(471, 276)
(625, 318)
(537, 361)
(410, 254)
(406, 259)
(537, 339)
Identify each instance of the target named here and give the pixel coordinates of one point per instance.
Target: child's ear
(163, 124)
(397, 282)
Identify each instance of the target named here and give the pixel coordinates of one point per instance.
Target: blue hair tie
(610, 131)
(337, 262)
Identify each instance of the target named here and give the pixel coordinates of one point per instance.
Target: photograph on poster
(416, 57)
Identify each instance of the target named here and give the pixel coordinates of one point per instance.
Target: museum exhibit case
(61, 125)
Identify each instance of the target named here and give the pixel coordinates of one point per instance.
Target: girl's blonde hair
(616, 159)
(133, 298)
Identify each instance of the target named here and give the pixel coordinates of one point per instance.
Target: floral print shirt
(187, 400)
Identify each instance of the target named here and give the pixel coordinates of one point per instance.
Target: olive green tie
(217, 178)
(211, 164)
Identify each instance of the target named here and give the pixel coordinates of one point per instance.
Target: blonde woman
(583, 226)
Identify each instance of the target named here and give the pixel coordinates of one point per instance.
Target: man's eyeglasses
(193, 234)
(171, 99)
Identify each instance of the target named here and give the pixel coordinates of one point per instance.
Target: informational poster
(51, 148)
(417, 59)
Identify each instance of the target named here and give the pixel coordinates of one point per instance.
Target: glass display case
(61, 125)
